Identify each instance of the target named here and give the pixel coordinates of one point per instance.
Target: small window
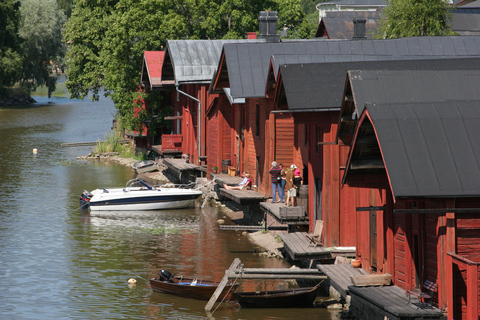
(257, 120)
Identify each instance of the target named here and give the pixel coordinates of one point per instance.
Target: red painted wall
(326, 162)
(189, 124)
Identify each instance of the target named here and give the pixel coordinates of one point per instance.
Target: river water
(57, 262)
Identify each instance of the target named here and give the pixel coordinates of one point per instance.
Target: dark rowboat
(289, 298)
(190, 288)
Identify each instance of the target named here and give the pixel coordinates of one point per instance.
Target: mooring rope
(206, 184)
(79, 208)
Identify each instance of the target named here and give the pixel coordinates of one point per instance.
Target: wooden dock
(298, 247)
(252, 228)
(223, 178)
(185, 171)
(237, 271)
(285, 215)
(392, 302)
(242, 196)
(89, 143)
(385, 301)
(339, 275)
(167, 154)
(277, 273)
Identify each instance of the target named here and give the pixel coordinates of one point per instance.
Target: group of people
(289, 178)
(281, 178)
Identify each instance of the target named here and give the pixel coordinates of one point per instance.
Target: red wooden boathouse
(415, 169)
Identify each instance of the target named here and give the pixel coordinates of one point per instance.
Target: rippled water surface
(59, 263)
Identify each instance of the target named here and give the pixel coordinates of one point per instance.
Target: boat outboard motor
(85, 199)
(164, 275)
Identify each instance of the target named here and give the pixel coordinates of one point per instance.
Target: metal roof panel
(389, 49)
(382, 86)
(430, 149)
(195, 60)
(308, 80)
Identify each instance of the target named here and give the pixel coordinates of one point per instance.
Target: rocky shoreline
(17, 100)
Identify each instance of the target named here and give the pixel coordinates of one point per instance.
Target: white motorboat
(139, 195)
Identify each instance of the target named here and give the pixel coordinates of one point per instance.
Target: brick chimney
(267, 23)
(359, 28)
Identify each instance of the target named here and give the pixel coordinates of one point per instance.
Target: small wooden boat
(190, 288)
(144, 166)
(289, 298)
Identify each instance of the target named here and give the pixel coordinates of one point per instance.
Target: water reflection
(59, 263)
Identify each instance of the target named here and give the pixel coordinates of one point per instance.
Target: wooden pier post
(223, 283)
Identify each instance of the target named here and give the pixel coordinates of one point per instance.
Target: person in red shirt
(275, 172)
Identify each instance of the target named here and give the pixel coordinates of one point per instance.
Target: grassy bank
(113, 143)
(60, 91)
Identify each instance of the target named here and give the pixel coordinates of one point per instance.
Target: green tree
(11, 54)
(66, 6)
(107, 38)
(292, 16)
(411, 18)
(41, 31)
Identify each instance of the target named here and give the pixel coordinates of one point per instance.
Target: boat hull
(202, 290)
(291, 298)
(133, 200)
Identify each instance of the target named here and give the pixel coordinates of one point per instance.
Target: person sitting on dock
(246, 183)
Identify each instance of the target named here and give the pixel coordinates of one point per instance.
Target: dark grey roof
(430, 149)
(359, 3)
(248, 63)
(193, 61)
(474, 4)
(387, 86)
(339, 24)
(465, 9)
(321, 85)
(466, 21)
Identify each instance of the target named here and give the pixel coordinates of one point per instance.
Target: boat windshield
(139, 183)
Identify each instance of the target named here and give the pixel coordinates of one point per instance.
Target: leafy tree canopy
(66, 6)
(107, 38)
(41, 31)
(411, 18)
(10, 44)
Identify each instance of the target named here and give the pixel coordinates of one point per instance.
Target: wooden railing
(471, 284)
(172, 142)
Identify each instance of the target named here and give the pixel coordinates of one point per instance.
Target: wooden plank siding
(431, 253)
(213, 136)
(188, 109)
(399, 247)
(236, 124)
(284, 139)
(226, 133)
(468, 246)
(257, 144)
